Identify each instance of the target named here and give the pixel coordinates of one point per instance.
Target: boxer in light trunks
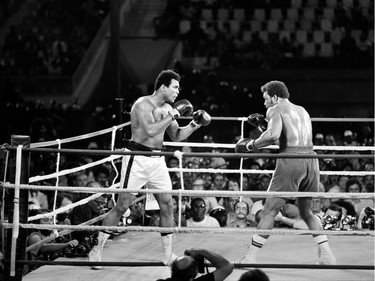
(290, 126)
(152, 116)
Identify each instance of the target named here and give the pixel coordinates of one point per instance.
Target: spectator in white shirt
(199, 217)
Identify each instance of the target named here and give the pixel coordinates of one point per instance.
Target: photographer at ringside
(47, 251)
(187, 267)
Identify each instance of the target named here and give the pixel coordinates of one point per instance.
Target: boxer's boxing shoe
(96, 252)
(326, 257)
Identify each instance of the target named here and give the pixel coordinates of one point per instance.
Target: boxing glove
(258, 121)
(181, 108)
(201, 117)
(244, 145)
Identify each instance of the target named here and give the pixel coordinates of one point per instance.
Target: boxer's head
(165, 78)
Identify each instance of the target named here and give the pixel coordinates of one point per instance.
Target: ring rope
(255, 171)
(201, 170)
(77, 138)
(313, 119)
(325, 119)
(216, 193)
(199, 154)
(101, 132)
(74, 170)
(67, 231)
(78, 203)
(63, 232)
(232, 146)
(230, 230)
(112, 157)
(160, 264)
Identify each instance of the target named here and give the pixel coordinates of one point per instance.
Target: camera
(83, 248)
(368, 220)
(200, 262)
(348, 223)
(330, 222)
(61, 217)
(369, 211)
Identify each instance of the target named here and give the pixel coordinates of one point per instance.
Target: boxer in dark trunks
(289, 125)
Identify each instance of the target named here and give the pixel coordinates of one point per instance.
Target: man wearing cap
(218, 163)
(220, 214)
(319, 139)
(349, 138)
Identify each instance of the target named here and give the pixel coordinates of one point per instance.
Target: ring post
(17, 205)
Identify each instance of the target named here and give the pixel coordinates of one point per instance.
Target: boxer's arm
(274, 128)
(177, 133)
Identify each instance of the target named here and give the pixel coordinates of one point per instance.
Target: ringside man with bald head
(187, 267)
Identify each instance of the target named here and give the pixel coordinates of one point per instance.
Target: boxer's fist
(184, 107)
(258, 121)
(244, 145)
(201, 117)
(181, 108)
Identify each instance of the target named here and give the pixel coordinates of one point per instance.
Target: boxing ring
(135, 254)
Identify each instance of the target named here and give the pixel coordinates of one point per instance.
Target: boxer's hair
(276, 88)
(165, 78)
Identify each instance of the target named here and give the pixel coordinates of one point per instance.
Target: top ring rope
(77, 138)
(254, 171)
(313, 119)
(232, 146)
(108, 130)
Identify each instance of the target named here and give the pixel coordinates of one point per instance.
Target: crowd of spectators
(52, 37)
(223, 45)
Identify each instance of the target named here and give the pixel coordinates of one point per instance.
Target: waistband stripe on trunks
(298, 149)
(134, 146)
